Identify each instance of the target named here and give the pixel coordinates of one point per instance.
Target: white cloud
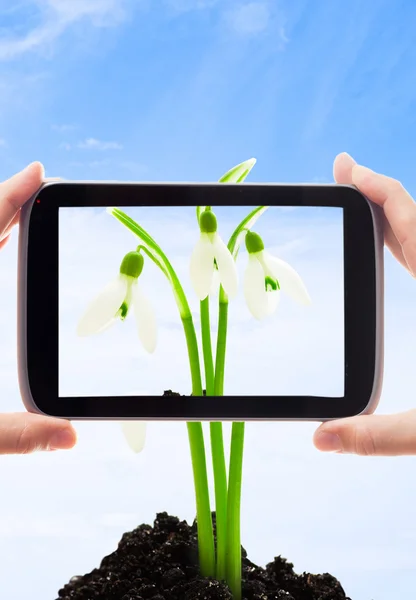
(55, 17)
(64, 128)
(188, 5)
(251, 18)
(94, 144)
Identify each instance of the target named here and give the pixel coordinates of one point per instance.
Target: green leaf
(238, 173)
(246, 224)
(154, 251)
(149, 246)
(235, 175)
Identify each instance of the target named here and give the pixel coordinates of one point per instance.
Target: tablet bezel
(38, 302)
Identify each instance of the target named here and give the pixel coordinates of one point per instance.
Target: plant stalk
(206, 547)
(217, 448)
(233, 572)
(206, 347)
(221, 344)
(220, 483)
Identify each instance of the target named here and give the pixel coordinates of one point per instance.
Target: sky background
(183, 90)
(306, 342)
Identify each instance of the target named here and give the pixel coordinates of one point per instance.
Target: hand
(21, 433)
(382, 435)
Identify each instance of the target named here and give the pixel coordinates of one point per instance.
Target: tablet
(200, 301)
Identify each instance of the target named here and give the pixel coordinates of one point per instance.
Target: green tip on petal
(110, 210)
(208, 222)
(132, 264)
(238, 173)
(254, 243)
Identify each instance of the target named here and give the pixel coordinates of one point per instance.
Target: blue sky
(182, 90)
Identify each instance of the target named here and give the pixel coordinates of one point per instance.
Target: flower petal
(202, 266)
(215, 285)
(273, 297)
(145, 319)
(289, 280)
(102, 310)
(255, 289)
(135, 434)
(226, 267)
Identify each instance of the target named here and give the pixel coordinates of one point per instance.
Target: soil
(161, 563)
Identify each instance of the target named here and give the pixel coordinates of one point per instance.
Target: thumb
(372, 435)
(23, 433)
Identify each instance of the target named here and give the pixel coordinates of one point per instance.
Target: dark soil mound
(161, 563)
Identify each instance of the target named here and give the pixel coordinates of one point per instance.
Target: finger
(15, 220)
(399, 207)
(343, 167)
(23, 433)
(4, 241)
(372, 435)
(6, 233)
(17, 190)
(393, 245)
(342, 170)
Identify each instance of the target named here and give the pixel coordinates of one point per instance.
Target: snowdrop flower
(135, 434)
(211, 254)
(265, 276)
(115, 301)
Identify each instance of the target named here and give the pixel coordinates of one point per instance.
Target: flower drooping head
(116, 299)
(266, 276)
(210, 255)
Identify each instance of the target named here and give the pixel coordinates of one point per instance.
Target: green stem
(220, 482)
(206, 347)
(206, 545)
(193, 355)
(221, 344)
(217, 448)
(233, 510)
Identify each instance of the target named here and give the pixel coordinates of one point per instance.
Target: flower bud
(254, 243)
(132, 264)
(208, 222)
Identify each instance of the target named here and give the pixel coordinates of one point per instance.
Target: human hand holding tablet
(69, 245)
(22, 433)
(378, 435)
(395, 434)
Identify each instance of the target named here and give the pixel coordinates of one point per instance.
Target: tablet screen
(285, 333)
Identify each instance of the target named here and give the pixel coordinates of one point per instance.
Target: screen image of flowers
(285, 333)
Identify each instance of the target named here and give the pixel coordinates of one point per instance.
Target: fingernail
(62, 440)
(328, 442)
(32, 165)
(350, 157)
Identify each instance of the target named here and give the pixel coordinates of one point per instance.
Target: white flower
(266, 276)
(135, 434)
(209, 255)
(115, 300)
